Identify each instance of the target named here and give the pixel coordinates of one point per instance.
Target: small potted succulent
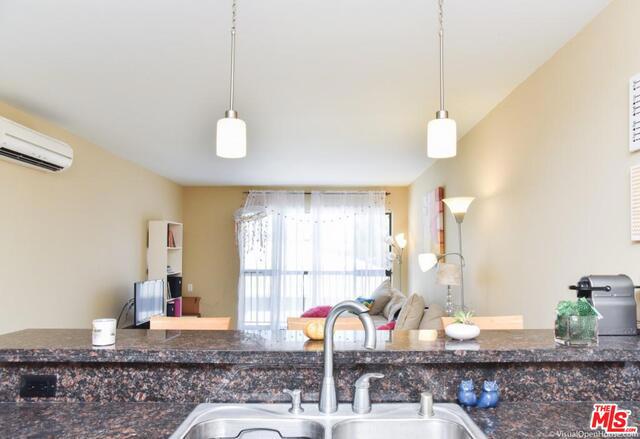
(462, 327)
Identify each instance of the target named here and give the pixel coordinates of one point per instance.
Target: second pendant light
(442, 137)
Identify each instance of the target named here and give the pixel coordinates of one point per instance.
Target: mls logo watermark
(611, 419)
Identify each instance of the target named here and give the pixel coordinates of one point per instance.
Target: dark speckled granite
(284, 347)
(146, 385)
(235, 366)
(543, 420)
(91, 420)
(158, 420)
(403, 382)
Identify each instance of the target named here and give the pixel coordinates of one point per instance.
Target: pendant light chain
(234, 11)
(441, 35)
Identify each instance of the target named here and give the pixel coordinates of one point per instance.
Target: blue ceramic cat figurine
(466, 395)
(489, 395)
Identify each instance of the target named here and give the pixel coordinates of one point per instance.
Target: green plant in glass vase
(576, 323)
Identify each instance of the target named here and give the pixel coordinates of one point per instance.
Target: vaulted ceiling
(334, 92)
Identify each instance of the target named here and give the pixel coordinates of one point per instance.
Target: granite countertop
(282, 347)
(159, 420)
(543, 420)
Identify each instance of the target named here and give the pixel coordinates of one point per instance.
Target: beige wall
(550, 169)
(74, 243)
(210, 254)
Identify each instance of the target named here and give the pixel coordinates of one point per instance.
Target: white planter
(460, 331)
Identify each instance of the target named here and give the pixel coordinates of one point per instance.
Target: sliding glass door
(327, 250)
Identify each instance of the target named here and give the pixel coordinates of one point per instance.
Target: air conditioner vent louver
(27, 147)
(29, 160)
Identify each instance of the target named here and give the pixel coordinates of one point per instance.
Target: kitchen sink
(256, 429)
(400, 428)
(273, 421)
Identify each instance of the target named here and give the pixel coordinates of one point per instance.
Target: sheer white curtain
(348, 252)
(292, 258)
(270, 230)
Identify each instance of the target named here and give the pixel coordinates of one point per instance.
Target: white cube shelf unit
(164, 251)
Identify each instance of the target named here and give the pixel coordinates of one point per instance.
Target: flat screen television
(148, 300)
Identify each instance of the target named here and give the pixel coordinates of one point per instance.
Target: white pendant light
(231, 134)
(442, 137)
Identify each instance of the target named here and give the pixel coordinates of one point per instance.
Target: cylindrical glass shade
(231, 138)
(441, 138)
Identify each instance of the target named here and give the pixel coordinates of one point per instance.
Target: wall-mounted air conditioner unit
(26, 147)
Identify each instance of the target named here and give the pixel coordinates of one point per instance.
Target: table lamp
(448, 274)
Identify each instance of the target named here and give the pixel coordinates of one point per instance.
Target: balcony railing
(297, 289)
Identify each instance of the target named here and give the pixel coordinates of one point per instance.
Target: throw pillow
(365, 301)
(387, 326)
(381, 297)
(317, 311)
(394, 311)
(397, 299)
(431, 318)
(411, 313)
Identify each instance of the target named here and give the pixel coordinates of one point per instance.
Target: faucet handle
(296, 400)
(364, 381)
(361, 400)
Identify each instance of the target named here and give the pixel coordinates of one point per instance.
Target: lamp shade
(231, 138)
(448, 274)
(427, 261)
(441, 138)
(458, 206)
(401, 240)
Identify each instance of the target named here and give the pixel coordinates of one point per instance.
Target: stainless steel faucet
(328, 396)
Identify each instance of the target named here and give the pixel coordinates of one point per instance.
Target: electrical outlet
(38, 386)
(190, 288)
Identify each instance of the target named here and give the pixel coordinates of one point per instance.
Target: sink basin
(400, 428)
(247, 421)
(256, 429)
(273, 421)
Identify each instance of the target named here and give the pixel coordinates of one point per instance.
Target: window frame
(248, 273)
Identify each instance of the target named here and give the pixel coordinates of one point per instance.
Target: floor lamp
(397, 245)
(458, 206)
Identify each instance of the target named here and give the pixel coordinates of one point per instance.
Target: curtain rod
(309, 193)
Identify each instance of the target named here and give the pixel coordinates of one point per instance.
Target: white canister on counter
(104, 332)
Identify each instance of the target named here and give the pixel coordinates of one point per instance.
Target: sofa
(389, 305)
